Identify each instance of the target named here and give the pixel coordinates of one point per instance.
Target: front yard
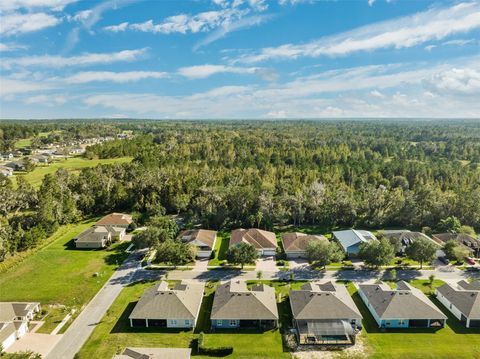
(60, 275)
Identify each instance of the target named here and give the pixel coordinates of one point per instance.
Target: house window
(187, 322)
(173, 322)
(401, 322)
(219, 323)
(233, 323)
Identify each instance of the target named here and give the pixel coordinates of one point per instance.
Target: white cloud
(371, 2)
(54, 100)
(18, 23)
(204, 71)
(80, 60)
(464, 81)
(430, 25)
(54, 5)
(117, 28)
(12, 86)
(11, 47)
(119, 77)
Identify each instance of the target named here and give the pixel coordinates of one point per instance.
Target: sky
(235, 59)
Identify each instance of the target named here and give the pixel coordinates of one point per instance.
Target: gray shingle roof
(160, 302)
(234, 301)
(10, 310)
(464, 296)
(406, 302)
(323, 301)
(199, 237)
(93, 234)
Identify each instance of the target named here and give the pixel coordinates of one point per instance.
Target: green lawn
(221, 248)
(453, 341)
(59, 274)
(71, 164)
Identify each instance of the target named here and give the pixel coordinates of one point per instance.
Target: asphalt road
(78, 333)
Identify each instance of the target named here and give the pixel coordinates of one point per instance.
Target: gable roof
(233, 300)
(119, 219)
(10, 310)
(405, 302)
(154, 353)
(468, 241)
(464, 296)
(93, 234)
(160, 302)
(296, 241)
(323, 301)
(350, 237)
(258, 238)
(199, 237)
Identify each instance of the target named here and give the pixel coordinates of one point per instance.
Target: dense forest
(370, 174)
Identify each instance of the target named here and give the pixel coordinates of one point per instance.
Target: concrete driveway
(297, 263)
(266, 264)
(36, 342)
(201, 264)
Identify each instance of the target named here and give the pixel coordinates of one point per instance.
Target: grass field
(59, 274)
(221, 247)
(72, 164)
(113, 333)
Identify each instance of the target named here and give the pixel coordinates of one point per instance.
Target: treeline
(232, 174)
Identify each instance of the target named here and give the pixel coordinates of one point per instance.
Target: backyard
(59, 276)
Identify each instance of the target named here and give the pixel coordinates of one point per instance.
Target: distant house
(203, 239)
(295, 244)
(324, 313)
(154, 353)
(265, 242)
(404, 307)
(462, 300)
(6, 156)
(351, 239)
(405, 238)
(93, 237)
(116, 220)
(6, 171)
(14, 319)
(466, 240)
(16, 165)
(41, 158)
(76, 151)
(235, 306)
(163, 307)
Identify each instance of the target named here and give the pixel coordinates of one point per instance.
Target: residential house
(265, 242)
(404, 307)
(235, 306)
(466, 240)
(6, 171)
(93, 237)
(352, 239)
(163, 307)
(462, 300)
(14, 319)
(405, 238)
(116, 220)
(16, 165)
(154, 353)
(295, 244)
(7, 156)
(41, 158)
(204, 240)
(324, 313)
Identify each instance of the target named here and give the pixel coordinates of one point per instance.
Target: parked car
(444, 260)
(470, 261)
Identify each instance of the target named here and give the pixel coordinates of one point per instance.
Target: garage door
(269, 253)
(418, 323)
(475, 323)
(139, 323)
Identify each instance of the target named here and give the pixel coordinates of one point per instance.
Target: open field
(221, 248)
(72, 164)
(113, 333)
(59, 274)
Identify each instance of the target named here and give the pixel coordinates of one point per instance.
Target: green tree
(449, 249)
(377, 253)
(467, 230)
(242, 253)
(166, 224)
(450, 224)
(175, 253)
(422, 250)
(322, 253)
(460, 252)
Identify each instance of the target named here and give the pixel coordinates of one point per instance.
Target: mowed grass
(221, 248)
(453, 341)
(60, 274)
(113, 333)
(71, 164)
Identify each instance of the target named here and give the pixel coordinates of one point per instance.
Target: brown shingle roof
(260, 239)
(202, 236)
(298, 241)
(119, 219)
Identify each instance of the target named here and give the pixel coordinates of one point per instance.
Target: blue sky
(239, 59)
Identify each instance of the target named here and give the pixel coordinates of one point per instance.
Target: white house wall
(447, 304)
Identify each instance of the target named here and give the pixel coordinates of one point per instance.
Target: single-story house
(405, 238)
(351, 239)
(265, 242)
(16, 165)
(6, 171)
(163, 307)
(324, 313)
(14, 319)
(404, 307)
(203, 239)
(41, 158)
(462, 300)
(154, 353)
(7, 156)
(295, 243)
(235, 306)
(116, 220)
(93, 237)
(469, 242)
